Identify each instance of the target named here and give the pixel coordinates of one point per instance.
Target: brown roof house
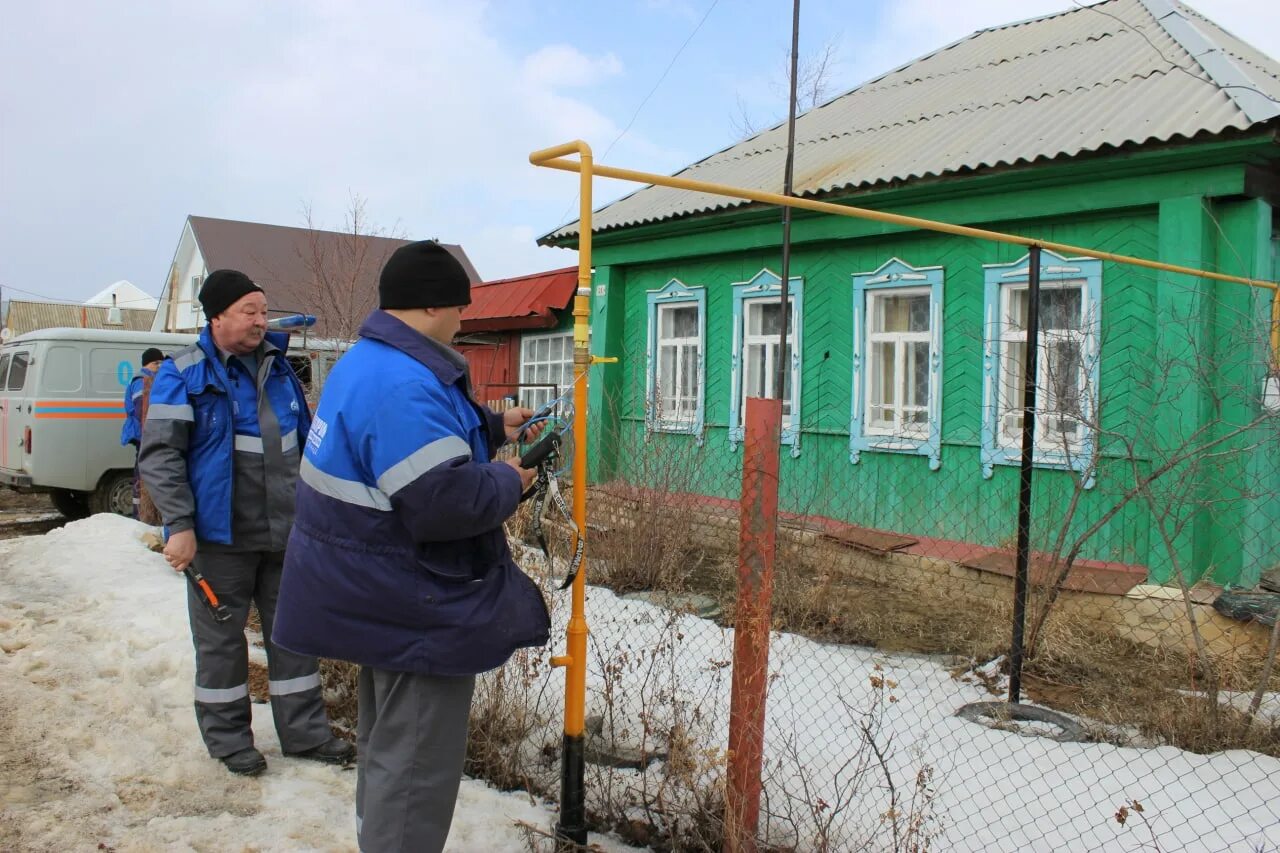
(329, 274)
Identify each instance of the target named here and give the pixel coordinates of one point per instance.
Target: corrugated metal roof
(28, 316)
(524, 302)
(1121, 72)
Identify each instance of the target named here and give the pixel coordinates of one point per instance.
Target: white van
(61, 412)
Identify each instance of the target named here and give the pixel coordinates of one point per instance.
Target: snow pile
(98, 741)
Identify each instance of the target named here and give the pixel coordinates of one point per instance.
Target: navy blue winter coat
(398, 559)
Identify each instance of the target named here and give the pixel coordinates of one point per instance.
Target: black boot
(333, 751)
(246, 762)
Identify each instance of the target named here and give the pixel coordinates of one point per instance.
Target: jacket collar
(274, 342)
(446, 363)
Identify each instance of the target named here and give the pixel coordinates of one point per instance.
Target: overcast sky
(117, 120)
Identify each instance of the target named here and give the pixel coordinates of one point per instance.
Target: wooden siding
(1141, 399)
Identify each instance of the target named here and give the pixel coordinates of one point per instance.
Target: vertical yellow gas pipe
(572, 825)
(1275, 332)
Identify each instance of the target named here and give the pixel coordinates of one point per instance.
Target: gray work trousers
(411, 742)
(222, 658)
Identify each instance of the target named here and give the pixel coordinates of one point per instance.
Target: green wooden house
(1136, 127)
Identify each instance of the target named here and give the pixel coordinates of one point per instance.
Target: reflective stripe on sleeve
(167, 411)
(347, 491)
(421, 461)
(188, 359)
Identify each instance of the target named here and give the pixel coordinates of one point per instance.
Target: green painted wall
(1159, 335)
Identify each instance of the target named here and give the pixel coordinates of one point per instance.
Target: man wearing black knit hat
(398, 560)
(220, 455)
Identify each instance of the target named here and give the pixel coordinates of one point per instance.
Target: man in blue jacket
(220, 454)
(131, 432)
(398, 560)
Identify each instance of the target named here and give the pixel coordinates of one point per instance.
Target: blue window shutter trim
(767, 283)
(896, 273)
(1054, 268)
(990, 371)
(675, 292)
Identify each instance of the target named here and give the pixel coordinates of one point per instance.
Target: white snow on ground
(98, 741)
(993, 790)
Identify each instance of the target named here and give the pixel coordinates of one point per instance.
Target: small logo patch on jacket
(316, 435)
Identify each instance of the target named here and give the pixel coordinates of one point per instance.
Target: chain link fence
(1147, 714)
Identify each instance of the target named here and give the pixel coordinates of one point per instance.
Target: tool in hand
(537, 416)
(207, 595)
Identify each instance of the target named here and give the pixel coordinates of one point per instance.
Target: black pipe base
(572, 826)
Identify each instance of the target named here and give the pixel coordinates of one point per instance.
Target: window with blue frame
(676, 352)
(1067, 356)
(757, 348)
(897, 362)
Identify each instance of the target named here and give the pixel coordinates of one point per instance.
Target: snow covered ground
(98, 742)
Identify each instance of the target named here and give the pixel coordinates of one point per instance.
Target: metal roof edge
(515, 278)
(876, 196)
(1228, 75)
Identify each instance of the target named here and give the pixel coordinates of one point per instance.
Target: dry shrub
(1161, 693)
(340, 680)
(504, 723)
(653, 554)
(820, 592)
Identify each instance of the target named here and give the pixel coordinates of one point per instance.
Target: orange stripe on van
(86, 404)
(118, 416)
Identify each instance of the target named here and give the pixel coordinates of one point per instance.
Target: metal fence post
(758, 515)
(1023, 557)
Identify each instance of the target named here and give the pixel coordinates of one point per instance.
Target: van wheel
(73, 505)
(114, 494)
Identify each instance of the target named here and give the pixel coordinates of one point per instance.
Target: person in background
(220, 453)
(398, 560)
(131, 432)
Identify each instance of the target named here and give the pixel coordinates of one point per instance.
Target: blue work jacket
(398, 559)
(198, 416)
(131, 432)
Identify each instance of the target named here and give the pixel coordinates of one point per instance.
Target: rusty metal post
(758, 517)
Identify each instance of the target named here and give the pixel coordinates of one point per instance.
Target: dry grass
(1159, 693)
(1136, 694)
(501, 727)
(813, 598)
(340, 680)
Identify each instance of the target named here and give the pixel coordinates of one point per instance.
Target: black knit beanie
(151, 354)
(423, 275)
(222, 289)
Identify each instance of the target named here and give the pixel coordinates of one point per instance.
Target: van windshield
(4, 368)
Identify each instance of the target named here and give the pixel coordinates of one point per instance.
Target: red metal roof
(523, 302)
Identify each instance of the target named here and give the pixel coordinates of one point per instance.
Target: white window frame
(675, 295)
(536, 398)
(766, 288)
(1001, 406)
(899, 427)
(1009, 399)
(895, 278)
